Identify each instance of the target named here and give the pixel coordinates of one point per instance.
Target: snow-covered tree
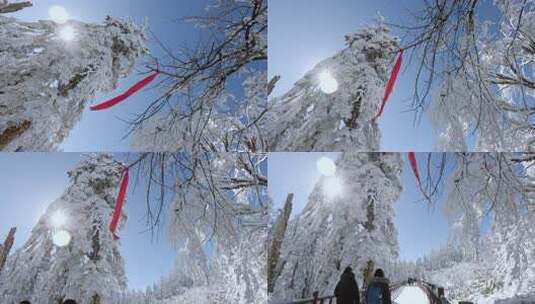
(474, 74)
(488, 199)
(217, 215)
(348, 221)
(332, 107)
(49, 72)
(214, 95)
(89, 267)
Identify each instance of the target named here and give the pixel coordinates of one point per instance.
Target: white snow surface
(412, 295)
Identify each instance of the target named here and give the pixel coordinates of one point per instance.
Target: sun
(67, 33)
(58, 14)
(326, 166)
(61, 238)
(333, 187)
(327, 82)
(58, 219)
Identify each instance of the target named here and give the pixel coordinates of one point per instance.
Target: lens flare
(327, 83)
(61, 238)
(326, 166)
(58, 14)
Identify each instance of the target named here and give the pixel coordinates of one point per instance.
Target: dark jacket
(347, 291)
(381, 287)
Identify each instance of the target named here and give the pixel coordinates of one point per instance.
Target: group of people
(377, 290)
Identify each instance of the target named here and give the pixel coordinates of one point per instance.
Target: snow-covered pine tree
(90, 268)
(49, 71)
(336, 230)
(308, 119)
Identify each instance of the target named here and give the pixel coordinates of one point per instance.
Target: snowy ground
(412, 295)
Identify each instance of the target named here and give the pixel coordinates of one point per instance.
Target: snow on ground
(412, 295)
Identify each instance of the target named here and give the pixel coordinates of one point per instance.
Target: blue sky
(31, 181)
(304, 32)
(104, 130)
(420, 228)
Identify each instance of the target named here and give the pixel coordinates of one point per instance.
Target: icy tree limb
(6, 7)
(272, 83)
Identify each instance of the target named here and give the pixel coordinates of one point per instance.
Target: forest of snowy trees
(201, 142)
(216, 218)
(487, 200)
(473, 81)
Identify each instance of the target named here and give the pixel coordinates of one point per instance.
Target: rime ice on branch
(50, 71)
(89, 267)
(331, 108)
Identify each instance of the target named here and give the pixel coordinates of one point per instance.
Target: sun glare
(58, 219)
(327, 83)
(333, 187)
(67, 33)
(58, 14)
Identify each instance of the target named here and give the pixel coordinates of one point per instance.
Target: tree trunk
(6, 247)
(279, 230)
(367, 275)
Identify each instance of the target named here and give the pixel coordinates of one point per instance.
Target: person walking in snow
(347, 290)
(378, 291)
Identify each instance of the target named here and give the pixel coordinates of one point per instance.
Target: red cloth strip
(135, 88)
(119, 203)
(414, 166)
(390, 84)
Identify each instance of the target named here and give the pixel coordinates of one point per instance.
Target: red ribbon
(119, 203)
(390, 84)
(414, 166)
(135, 88)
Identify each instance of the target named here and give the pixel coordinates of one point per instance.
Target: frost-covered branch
(474, 77)
(198, 108)
(231, 186)
(6, 7)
